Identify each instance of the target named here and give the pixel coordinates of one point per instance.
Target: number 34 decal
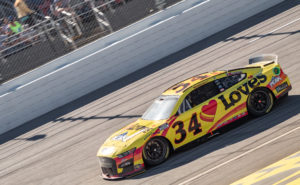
(194, 127)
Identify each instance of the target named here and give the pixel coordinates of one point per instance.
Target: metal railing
(80, 22)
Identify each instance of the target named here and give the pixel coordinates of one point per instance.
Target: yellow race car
(192, 110)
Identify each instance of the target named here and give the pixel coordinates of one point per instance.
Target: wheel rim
(154, 150)
(260, 101)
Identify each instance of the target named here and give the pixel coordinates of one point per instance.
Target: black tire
(260, 102)
(156, 151)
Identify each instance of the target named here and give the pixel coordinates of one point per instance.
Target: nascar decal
(235, 96)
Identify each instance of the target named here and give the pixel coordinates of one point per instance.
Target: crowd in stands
(29, 12)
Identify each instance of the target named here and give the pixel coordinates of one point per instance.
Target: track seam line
(237, 157)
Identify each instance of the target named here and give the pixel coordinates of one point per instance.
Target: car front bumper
(111, 168)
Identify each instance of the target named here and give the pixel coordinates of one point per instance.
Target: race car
(192, 110)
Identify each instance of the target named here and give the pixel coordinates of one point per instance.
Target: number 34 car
(191, 110)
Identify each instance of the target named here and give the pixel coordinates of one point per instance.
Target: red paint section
(211, 108)
(205, 118)
(138, 153)
(283, 78)
(171, 121)
(232, 120)
(233, 111)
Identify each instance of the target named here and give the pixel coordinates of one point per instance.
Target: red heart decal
(211, 108)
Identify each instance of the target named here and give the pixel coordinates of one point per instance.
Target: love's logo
(208, 112)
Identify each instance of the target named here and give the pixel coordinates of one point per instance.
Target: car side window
(202, 94)
(229, 81)
(185, 106)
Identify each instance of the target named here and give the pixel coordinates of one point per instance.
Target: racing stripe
(233, 111)
(206, 118)
(170, 124)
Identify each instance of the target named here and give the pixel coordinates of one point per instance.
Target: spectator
(3, 39)
(59, 6)
(5, 27)
(24, 13)
(45, 7)
(34, 4)
(15, 26)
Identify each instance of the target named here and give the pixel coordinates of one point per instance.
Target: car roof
(181, 87)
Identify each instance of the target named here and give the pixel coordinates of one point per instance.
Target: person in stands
(15, 26)
(5, 27)
(3, 39)
(25, 14)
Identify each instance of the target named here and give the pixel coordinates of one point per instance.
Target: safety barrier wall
(117, 55)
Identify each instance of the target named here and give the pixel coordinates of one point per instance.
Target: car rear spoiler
(263, 58)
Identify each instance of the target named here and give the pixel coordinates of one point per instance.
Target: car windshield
(161, 108)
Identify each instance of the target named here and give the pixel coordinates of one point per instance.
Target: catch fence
(56, 27)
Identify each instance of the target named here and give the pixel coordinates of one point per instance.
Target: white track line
(277, 29)
(237, 157)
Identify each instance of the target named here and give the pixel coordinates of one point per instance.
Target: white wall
(121, 53)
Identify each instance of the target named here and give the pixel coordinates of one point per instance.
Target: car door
(231, 100)
(195, 114)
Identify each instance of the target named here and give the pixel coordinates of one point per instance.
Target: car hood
(132, 135)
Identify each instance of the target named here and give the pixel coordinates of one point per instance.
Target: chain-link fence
(34, 32)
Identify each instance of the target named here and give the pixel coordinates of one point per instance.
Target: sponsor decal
(276, 71)
(120, 137)
(227, 116)
(148, 135)
(231, 120)
(123, 160)
(138, 127)
(236, 96)
(138, 166)
(124, 137)
(163, 126)
(208, 112)
(282, 87)
(275, 80)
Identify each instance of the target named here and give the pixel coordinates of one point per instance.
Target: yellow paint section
(290, 164)
(179, 88)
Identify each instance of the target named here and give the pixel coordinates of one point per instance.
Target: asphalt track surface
(60, 147)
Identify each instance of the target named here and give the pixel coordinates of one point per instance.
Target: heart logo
(208, 111)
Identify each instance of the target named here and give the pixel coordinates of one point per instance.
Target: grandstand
(59, 26)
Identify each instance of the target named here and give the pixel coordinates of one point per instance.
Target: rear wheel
(260, 102)
(156, 151)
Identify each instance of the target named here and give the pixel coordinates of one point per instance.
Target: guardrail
(121, 53)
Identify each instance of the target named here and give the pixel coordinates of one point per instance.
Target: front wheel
(260, 102)
(156, 151)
